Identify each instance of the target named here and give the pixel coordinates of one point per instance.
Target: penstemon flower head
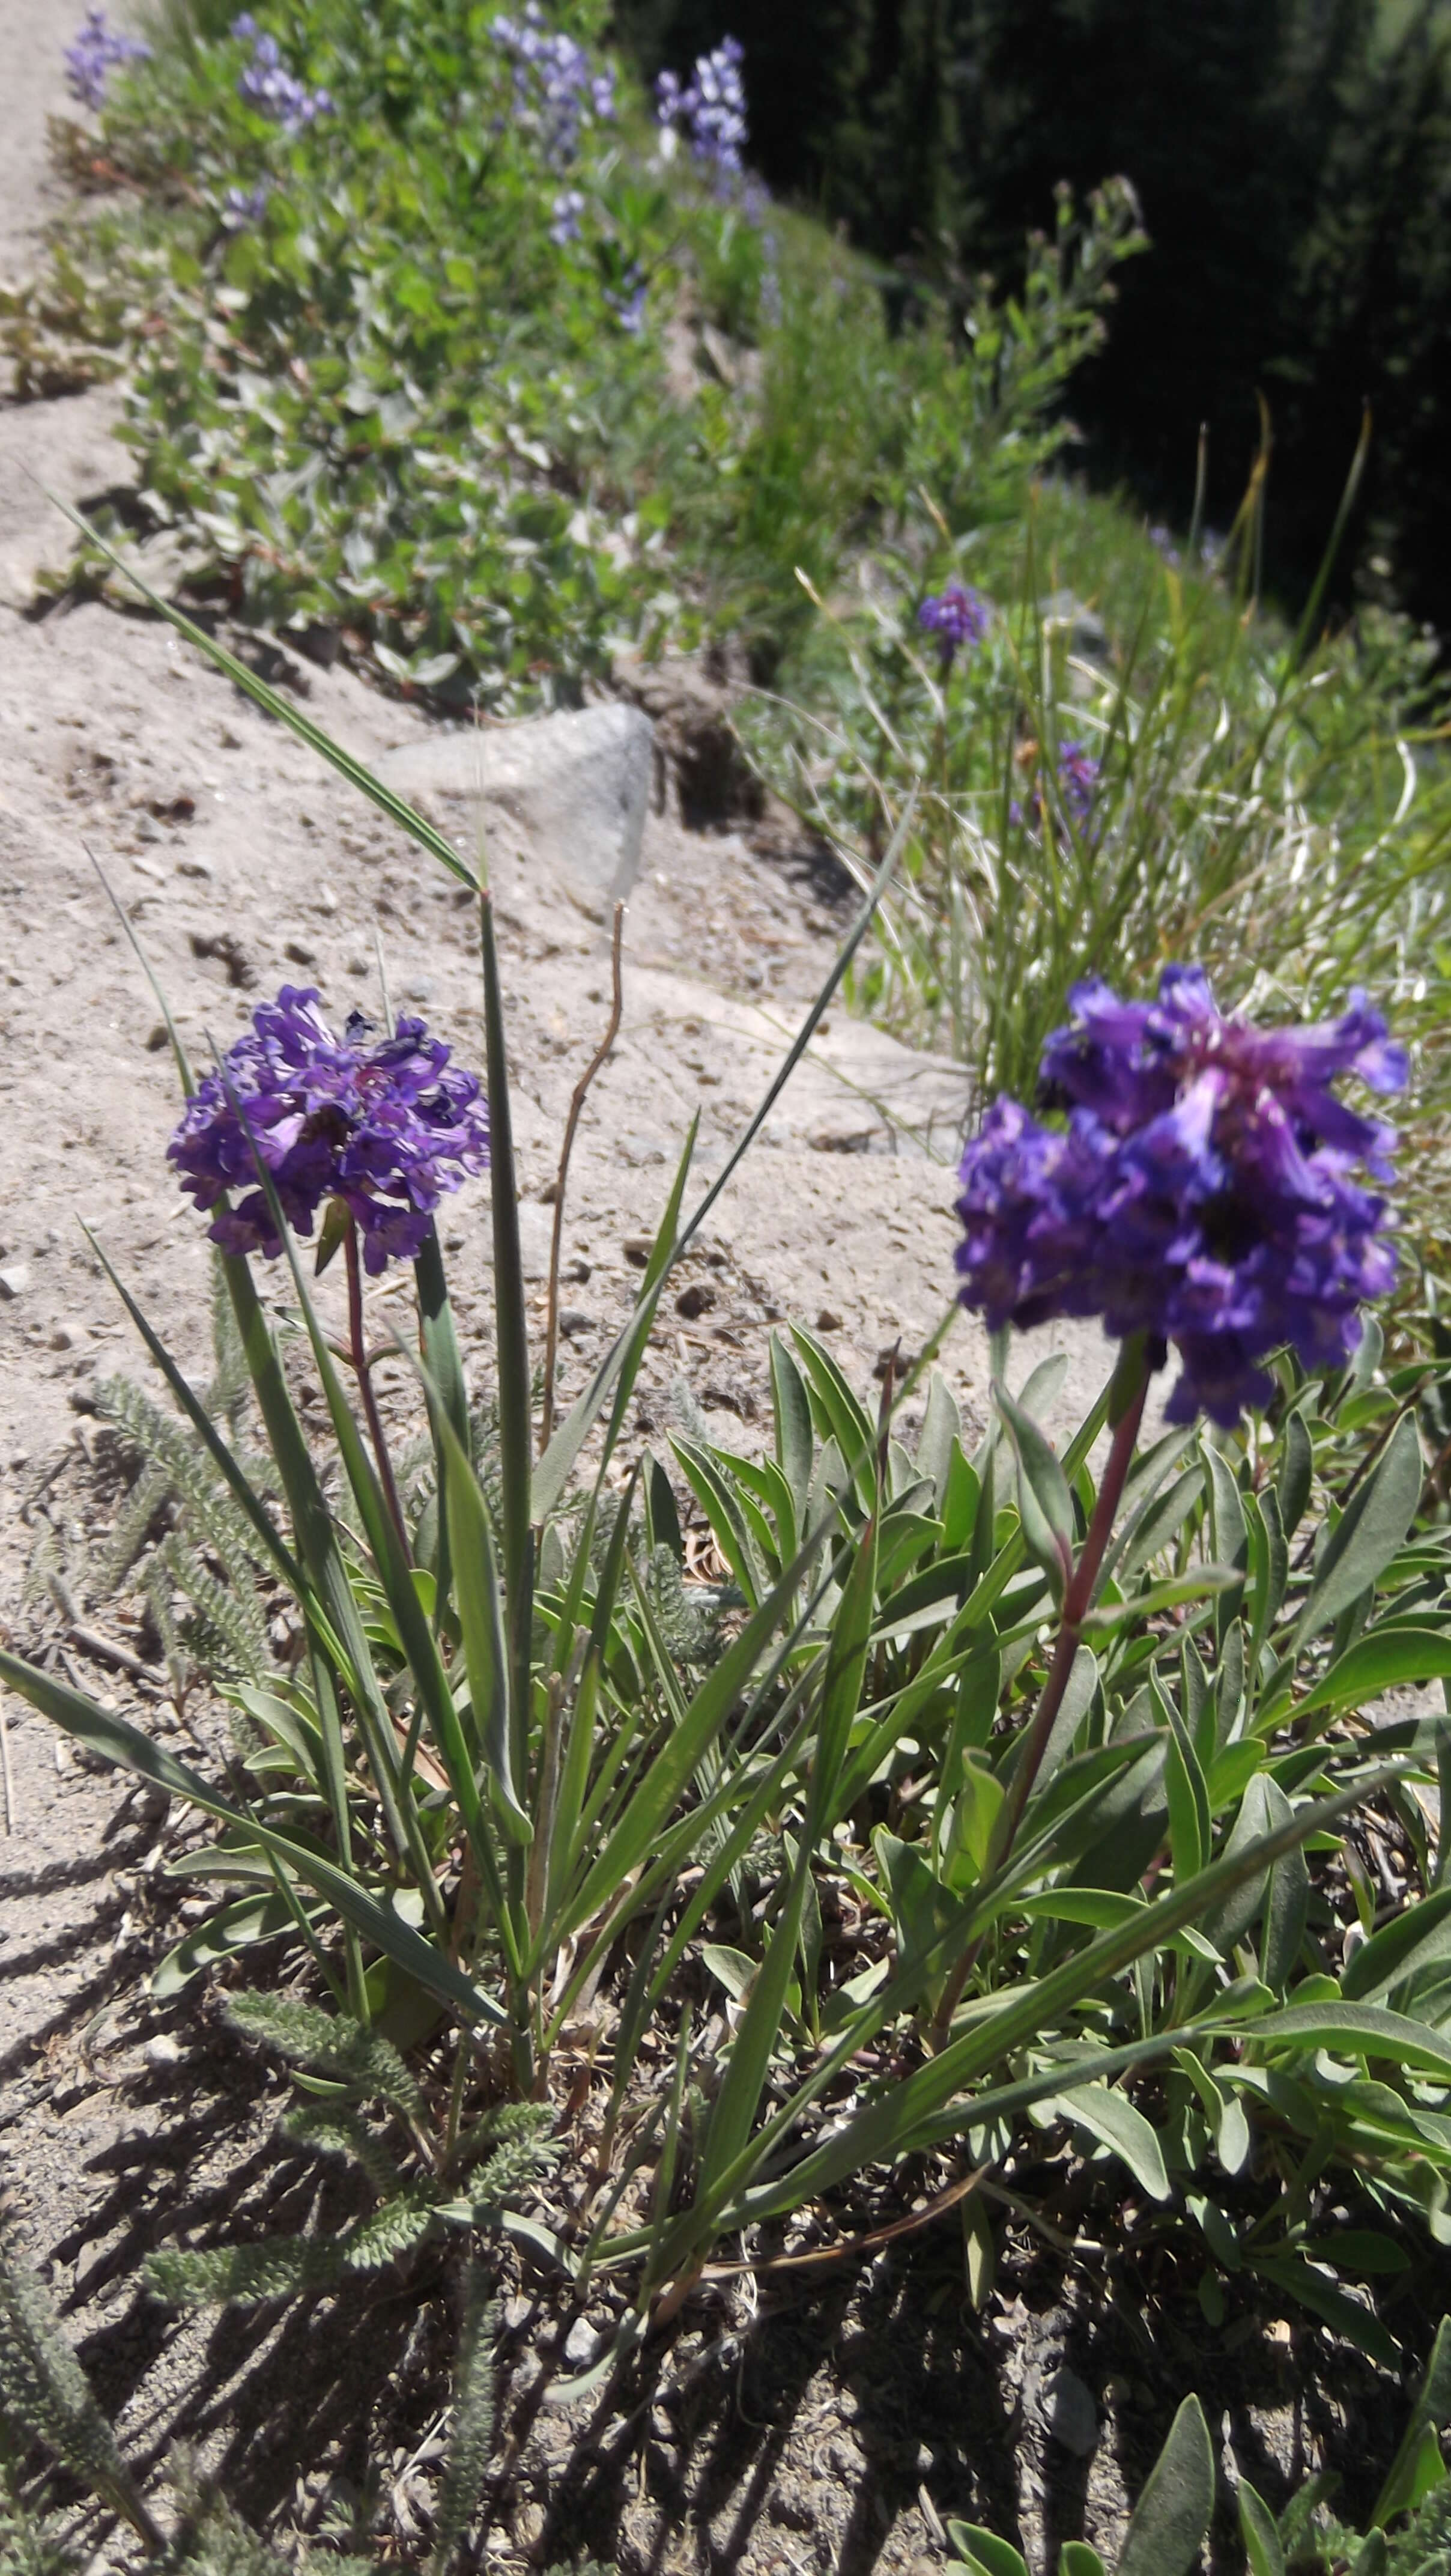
(956, 617)
(385, 1124)
(1202, 1191)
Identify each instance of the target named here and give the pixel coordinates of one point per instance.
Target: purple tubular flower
(956, 617)
(95, 52)
(384, 1124)
(1201, 1193)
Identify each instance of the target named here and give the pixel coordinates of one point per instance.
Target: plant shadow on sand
(841, 2418)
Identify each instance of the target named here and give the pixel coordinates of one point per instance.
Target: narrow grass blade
(445, 1386)
(511, 1326)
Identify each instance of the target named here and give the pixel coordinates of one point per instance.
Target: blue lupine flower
(94, 53)
(711, 106)
(567, 208)
(628, 305)
(555, 83)
(270, 87)
(1201, 1192)
(956, 617)
(384, 1124)
(244, 207)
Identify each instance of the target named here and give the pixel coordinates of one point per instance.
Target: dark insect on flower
(1201, 1191)
(387, 1125)
(956, 617)
(95, 52)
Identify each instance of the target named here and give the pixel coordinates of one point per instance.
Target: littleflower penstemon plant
(372, 1129)
(1199, 1196)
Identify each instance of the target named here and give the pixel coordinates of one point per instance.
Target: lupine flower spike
(710, 107)
(96, 51)
(384, 1124)
(1201, 1192)
(267, 85)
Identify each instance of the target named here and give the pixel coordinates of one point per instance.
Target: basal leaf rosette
(386, 1125)
(1203, 1190)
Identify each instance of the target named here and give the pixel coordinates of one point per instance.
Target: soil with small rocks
(834, 2415)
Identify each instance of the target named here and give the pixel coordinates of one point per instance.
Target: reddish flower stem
(363, 1371)
(1077, 1601)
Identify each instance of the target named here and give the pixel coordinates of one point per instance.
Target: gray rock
(577, 785)
(582, 2342)
(1070, 2414)
(14, 1280)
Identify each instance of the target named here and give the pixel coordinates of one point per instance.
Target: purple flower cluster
(956, 617)
(566, 211)
(628, 304)
(94, 53)
(1200, 1193)
(556, 84)
(1078, 774)
(710, 106)
(385, 1125)
(269, 87)
(244, 207)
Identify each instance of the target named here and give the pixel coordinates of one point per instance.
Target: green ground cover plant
(421, 369)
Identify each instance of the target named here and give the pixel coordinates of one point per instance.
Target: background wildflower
(94, 53)
(956, 616)
(710, 107)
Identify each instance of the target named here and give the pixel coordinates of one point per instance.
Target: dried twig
(5, 1772)
(551, 1342)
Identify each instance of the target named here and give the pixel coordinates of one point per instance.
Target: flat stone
(1070, 2414)
(577, 785)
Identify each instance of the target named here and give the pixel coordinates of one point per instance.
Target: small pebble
(162, 2051)
(828, 1321)
(582, 2342)
(64, 1337)
(195, 868)
(300, 952)
(14, 1280)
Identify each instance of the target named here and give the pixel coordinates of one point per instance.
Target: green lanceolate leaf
(481, 1611)
(1401, 1650)
(445, 1382)
(1173, 2515)
(1368, 1533)
(1112, 2118)
(1414, 2470)
(1045, 1506)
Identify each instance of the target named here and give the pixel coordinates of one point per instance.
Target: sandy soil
(832, 2427)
